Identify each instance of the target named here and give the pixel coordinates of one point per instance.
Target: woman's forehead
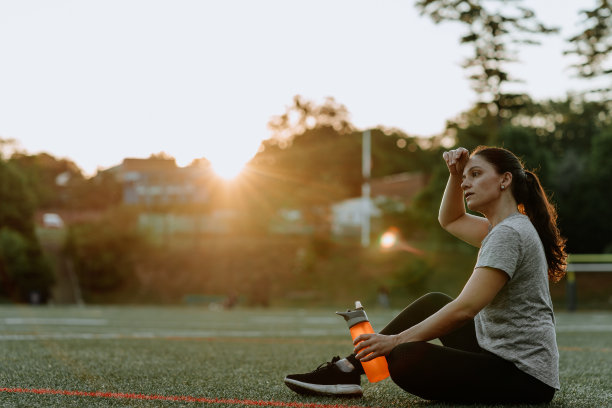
(477, 161)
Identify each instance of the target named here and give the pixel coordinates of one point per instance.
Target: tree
(318, 167)
(491, 32)
(593, 45)
(23, 269)
(584, 196)
(303, 115)
(48, 178)
(101, 192)
(105, 252)
(394, 152)
(16, 202)
(314, 157)
(25, 274)
(524, 142)
(600, 172)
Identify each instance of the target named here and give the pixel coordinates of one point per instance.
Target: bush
(25, 275)
(104, 253)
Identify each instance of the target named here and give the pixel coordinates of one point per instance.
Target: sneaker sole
(346, 390)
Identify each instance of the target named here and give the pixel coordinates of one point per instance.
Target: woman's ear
(506, 179)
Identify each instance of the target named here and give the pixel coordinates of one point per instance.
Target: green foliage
(304, 114)
(525, 144)
(567, 142)
(584, 197)
(395, 152)
(491, 31)
(47, 178)
(314, 161)
(23, 269)
(413, 276)
(104, 253)
(17, 208)
(564, 125)
(101, 192)
(593, 44)
(59, 184)
(320, 166)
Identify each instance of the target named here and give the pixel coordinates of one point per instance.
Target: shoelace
(328, 364)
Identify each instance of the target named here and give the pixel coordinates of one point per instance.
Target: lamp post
(366, 166)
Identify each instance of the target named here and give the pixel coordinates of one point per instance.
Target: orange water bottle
(358, 323)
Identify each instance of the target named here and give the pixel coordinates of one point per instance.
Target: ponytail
(543, 216)
(533, 202)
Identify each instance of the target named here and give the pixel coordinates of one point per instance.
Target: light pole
(366, 166)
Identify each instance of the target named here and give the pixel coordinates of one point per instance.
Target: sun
(228, 168)
(229, 158)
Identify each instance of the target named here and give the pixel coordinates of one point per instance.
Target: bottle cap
(354, 317)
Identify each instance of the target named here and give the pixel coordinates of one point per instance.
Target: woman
(498, 336)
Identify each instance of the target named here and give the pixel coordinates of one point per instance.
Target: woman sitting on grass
(498, 335)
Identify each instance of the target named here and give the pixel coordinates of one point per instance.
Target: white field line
(54, 321)
(208, 334)
(226, 334)
(584, 328)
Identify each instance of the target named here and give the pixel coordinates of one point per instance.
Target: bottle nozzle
(353, 317)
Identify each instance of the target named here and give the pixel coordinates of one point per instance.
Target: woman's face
(481, 184)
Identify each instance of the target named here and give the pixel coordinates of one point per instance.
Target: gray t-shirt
(519, 324)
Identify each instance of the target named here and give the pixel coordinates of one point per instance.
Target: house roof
(148, 165)
(402, 186)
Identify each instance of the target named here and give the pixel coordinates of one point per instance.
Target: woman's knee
(435, 300)
(405, 357)
(411, 368)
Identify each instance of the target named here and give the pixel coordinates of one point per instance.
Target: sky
(96, 81)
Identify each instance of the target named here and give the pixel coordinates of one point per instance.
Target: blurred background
(285, 153)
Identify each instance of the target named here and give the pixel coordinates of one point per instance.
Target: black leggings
(458, 371)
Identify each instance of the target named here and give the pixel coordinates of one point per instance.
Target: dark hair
(533, 202)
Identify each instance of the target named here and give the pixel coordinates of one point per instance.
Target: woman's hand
(372, 345)
(456, 160)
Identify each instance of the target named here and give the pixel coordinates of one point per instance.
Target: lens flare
(392, 240)
(388, 239)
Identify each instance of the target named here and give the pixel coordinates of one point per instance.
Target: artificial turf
(195, 356)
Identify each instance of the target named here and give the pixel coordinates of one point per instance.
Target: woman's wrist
(400, 338)
(456, 178)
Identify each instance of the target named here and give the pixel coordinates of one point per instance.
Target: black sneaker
(327, 379)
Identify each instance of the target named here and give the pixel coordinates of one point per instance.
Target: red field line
(181, 398)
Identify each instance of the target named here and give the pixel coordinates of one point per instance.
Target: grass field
(194, 356)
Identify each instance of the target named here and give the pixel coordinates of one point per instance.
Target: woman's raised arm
(452, 215)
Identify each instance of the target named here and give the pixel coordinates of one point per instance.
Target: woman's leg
(463, 338)
(459, 371)
(446, 374)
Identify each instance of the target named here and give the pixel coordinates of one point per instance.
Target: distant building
(158, 181)
(346, 215)
(52, 220)
(290, 221)
(399, 189)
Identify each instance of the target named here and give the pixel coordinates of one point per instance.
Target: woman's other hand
(372, 345)
(456, 160)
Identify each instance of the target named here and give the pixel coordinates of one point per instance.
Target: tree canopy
(494, 30)
(24, 272)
